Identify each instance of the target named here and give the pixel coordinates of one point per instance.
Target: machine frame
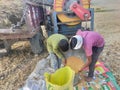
(33, 32)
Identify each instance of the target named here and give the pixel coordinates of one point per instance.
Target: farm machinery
(58, 16)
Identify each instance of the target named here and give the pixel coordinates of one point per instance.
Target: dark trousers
(95, 55)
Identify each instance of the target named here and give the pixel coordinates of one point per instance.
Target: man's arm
(88, 62)
(49, 48)
(60, 55)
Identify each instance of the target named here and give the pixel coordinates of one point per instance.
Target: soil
(20, 62)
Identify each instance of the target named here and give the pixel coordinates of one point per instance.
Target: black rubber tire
(37, 44)
(1, 44)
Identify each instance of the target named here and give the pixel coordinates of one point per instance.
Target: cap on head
(63, 45)
(76, 42)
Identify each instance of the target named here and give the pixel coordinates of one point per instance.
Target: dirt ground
(19, 63)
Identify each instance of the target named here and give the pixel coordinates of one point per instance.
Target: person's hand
(80, 70)
(65, 62)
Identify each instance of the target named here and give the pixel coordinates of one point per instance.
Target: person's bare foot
(88, 79)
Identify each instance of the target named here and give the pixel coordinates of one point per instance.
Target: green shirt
(52, 44)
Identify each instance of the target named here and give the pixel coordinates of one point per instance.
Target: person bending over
(56, 45)
(93, 44)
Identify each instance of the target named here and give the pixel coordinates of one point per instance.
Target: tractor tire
(37, 44)
(5, 47)
(7, 44)
(1, 44)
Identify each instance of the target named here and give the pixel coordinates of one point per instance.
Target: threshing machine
(58, 16)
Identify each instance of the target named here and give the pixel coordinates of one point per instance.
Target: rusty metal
(16, 34)
(38, 3)
(32, 3)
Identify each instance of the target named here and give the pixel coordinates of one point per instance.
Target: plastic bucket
(62, 79)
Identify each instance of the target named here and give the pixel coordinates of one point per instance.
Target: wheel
(5, 47)
(6, 44)
(1, 44)
(37, 44)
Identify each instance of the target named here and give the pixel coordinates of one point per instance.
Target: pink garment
(90, 39)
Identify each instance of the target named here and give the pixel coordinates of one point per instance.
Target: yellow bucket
(62, 79)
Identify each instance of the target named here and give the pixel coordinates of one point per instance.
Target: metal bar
(67, 31)
(54, 18)
(64, 12)
(17, 34)
(71, 22)
(45, 4)
(38, 4)
(67, 12)
(92, 18)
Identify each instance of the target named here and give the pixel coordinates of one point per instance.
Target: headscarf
(79, 42)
